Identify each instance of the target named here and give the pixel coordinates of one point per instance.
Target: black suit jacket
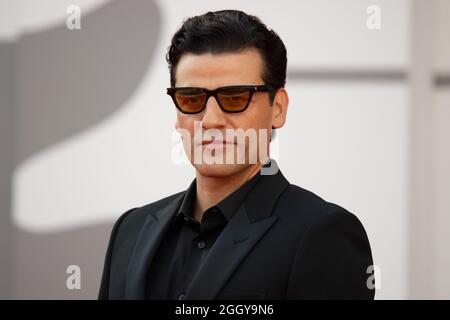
(283, 242)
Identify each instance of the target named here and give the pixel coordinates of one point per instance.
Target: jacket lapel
(233, 244)
(148, 241)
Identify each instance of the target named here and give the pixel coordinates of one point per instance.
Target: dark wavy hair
(228, 31)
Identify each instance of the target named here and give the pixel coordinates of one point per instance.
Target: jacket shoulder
(306, 201)
(304, 209)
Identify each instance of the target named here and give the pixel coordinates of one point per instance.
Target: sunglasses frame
(251, 88)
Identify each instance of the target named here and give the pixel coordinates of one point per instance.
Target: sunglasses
(232, 99)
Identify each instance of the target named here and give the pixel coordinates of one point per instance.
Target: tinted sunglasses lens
(234, 99)
(190, 100)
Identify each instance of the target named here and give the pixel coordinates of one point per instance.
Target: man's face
(211, 71)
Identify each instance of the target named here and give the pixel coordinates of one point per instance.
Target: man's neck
(212, 190)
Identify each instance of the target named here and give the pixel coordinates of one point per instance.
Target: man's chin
(220, 170)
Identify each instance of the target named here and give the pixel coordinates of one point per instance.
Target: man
(241, 230)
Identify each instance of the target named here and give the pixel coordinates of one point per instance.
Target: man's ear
(279, 108)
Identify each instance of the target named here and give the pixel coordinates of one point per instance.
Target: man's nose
(213, 116)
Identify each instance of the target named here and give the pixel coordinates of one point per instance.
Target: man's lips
(216, 142)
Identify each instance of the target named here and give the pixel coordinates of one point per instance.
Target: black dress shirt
(187, 242)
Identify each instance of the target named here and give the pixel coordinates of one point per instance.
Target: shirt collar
(227, 206)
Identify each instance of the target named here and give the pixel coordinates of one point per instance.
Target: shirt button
(201, 245)
(181, 297)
